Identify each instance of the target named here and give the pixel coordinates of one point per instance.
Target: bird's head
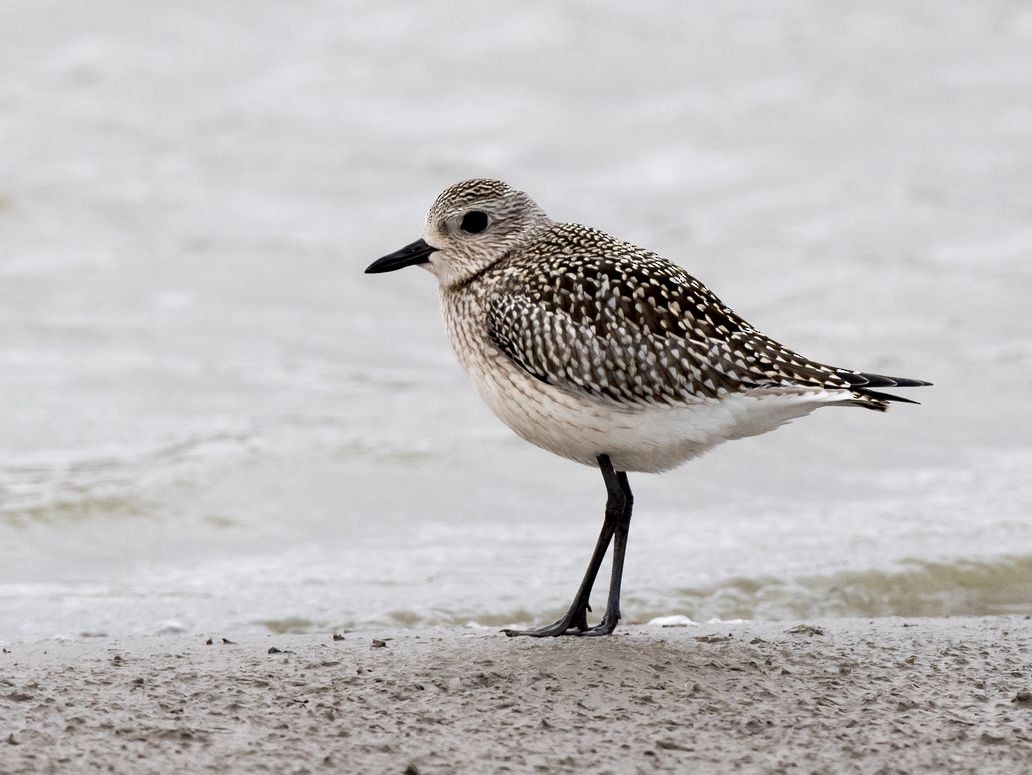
(470, 226)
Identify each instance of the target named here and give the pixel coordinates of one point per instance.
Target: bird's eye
(474, 222)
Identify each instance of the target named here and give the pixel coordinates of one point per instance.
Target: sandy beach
(884, 695)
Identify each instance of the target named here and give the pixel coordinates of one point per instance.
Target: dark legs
(615, 528)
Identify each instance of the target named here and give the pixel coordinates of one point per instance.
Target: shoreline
(829, 695)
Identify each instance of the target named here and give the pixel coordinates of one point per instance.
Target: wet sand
(883, 695)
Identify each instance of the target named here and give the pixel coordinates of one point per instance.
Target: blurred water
(211, 420)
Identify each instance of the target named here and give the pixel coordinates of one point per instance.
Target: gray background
(210, 417)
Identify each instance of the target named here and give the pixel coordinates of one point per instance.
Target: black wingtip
(863, 379)
(889, 397)
(904, 382)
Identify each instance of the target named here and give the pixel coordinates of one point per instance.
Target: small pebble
(805, 629)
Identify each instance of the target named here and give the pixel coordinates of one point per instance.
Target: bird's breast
(574, 426)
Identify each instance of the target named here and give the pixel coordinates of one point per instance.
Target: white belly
(649, 438)
(636, 437)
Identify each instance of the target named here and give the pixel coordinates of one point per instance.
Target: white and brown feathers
(592, 314)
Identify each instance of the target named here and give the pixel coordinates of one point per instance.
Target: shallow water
(213, 421)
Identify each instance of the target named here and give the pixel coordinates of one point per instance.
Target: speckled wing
(589, 313)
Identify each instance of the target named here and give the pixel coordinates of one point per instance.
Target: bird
(607, 354)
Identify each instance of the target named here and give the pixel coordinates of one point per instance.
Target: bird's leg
(617, 518)
(622, 529)
(575, 620)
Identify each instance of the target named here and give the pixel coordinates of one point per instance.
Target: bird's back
(589, 313)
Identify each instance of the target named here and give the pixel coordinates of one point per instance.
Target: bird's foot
(573, 623)
(605, 627)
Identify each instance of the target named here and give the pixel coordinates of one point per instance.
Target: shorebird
(607, 354)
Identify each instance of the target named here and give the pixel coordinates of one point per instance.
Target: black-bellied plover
(606, 353)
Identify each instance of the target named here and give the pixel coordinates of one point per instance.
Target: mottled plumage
(585, 311)
(604, 352)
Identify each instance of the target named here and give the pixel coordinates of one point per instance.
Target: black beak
(410, 255)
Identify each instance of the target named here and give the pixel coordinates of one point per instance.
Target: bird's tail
(861, 385)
